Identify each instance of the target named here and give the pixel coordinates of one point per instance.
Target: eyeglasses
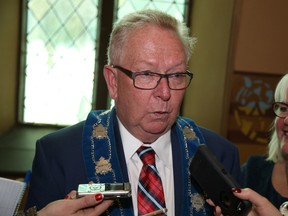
(147, 80)
(280, 109)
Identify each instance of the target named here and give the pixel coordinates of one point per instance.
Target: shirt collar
(162, 146)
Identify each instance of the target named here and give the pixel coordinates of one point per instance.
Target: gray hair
(274, 146)
(138, 19)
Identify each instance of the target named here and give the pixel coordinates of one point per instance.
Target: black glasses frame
(132, 75)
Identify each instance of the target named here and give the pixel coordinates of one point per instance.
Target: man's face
(148, 114)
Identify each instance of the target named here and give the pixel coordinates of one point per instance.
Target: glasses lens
(179, 81)
(149, 80)
(146, 80)
(280, 109)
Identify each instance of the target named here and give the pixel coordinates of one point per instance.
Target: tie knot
(146, 154)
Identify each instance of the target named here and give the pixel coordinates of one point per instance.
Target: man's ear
(110, 75)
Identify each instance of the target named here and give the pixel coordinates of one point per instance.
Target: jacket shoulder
(63, 138)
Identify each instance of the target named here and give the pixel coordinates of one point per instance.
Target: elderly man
(147, 76)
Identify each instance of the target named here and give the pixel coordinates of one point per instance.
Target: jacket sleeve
(43, 188)
(58, 166)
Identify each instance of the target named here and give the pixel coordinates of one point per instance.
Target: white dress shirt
(164, 165)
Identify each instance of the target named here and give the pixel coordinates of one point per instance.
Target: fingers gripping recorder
(109, 190)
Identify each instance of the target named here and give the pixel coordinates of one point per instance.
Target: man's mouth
(160, 114)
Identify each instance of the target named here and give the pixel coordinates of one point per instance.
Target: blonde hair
(274, 146)
(138, 19)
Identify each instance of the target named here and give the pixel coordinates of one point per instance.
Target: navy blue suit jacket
(58, 165)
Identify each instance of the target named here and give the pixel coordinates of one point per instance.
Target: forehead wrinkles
(158, 45)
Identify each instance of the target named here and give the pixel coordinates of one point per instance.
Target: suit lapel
(178, 174)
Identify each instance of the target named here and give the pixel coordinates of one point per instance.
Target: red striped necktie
(150, 190)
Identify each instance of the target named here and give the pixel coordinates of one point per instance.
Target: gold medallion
(99, 132)
(103, 166)
(189, 133)
(197, 201)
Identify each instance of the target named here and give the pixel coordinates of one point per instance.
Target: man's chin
(159, 128)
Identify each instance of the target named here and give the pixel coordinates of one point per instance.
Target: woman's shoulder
(258, 159)
(257, 163)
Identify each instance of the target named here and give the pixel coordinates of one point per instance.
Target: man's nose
(163, 90)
